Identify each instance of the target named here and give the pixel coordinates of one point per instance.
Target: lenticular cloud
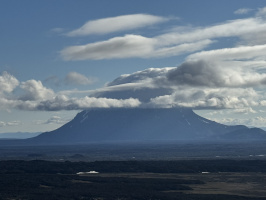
(115, 24)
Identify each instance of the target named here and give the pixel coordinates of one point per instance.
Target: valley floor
(128, 180)
(165, 171)
(169, 150)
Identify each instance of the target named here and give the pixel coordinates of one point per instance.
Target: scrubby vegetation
(59, 180)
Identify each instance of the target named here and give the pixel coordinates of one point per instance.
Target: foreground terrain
(183, 179)
(137, 151)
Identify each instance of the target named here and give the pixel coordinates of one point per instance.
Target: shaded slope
(162, 124)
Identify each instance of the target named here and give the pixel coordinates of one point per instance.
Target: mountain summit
(143, 124)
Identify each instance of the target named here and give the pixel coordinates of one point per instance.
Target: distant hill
(18, 135)
(143, 124)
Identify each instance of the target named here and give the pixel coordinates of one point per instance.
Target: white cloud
(33, 96)
(2, 124)
(184, 85)
(237, 53)
(129, 46)
(140, 85)
(174, 50)
(215, 74)
(115, 24)
(141, 76)
(231, 28)
(252, 122)
(207, 98)
(7, 83)
(118, 47)
(228, 78)
(261, 12)
(246, 110)
(61, 102)
(175, 42)
(198, 84)
(57, 30)
(11, 123)
(194, 84)
(74, 78)
(53, 120)
(242, 11)
(65, 103)
(34, 90)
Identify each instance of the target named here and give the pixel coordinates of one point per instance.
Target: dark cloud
(197, 73)
(140, 85)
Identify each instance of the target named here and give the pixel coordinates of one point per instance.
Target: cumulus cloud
(197, 73)
(34, 90)
(11, 123)
(53, 120)
(74, 78)
(65, 103)
(32, 95)
(115, 24)
(197, 84)
(7, 83)
(208, 98)
(228, 78)
(61, 102)
(211, 74)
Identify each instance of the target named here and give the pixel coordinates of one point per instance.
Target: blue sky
(60, 57)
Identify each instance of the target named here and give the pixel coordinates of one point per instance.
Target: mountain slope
(139, 124)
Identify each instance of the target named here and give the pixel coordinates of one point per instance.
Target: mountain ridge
(144, 124)
(140, 125)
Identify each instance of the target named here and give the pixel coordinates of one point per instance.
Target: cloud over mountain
(225, 78)
(227, 83)
(221, 78)
(230, 81)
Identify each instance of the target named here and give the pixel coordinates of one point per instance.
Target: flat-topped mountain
(143, 124)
